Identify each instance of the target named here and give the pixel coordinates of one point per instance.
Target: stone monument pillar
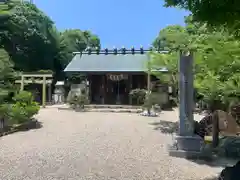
(186, 95)
(186, 144)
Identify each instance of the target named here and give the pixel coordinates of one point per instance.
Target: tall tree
(25, 36)
(214, 12)
(7, 74)
(217, 59)
(33, 42)
(78, 40)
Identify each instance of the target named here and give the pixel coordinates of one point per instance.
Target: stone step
(115, 110)
(103, 109)
(107, 106)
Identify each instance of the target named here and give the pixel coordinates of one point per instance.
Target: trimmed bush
(139, 95)
(23, 109)
(23, 97)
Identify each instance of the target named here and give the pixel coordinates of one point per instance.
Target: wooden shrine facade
(114, 88)
(111, 74)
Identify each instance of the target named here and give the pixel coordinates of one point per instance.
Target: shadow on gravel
(33, 124)
(168, 108)
(166, 127)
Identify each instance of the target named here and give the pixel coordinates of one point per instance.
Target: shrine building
(111, 74)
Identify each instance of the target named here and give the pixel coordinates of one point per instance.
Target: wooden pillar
(90, 88)
(22, 83)
(139, 81)
(49, 93)
(103, 89)
(215, 135)
(130, 88)
(44, 92)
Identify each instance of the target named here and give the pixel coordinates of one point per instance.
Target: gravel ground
(95, 146)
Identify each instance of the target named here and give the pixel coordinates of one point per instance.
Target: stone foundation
(186, 146)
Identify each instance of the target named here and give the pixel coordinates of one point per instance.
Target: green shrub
(23, 109)
(4, 114)
(138, 95)
(149, 100)
(32, 109)
(17, 114)
(4, 110)
(153, 99)
(24, 97)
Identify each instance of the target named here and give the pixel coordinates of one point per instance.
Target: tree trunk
(215, 135)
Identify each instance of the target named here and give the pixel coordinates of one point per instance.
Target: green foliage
(75, 40)
(139, 95)
(154, 98)
(23, 109)
(78, 40)
(23, 97)
(214, 12)
(7, 75)
(216, 57)
(4, 110)
(29, 41)
(18, 114)
(172, 38)
(33, 42)
(25, 36)
(166, 60)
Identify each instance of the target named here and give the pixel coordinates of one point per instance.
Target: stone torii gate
(37, 79)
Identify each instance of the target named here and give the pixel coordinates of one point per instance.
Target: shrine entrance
(117, 89)
(109, 89)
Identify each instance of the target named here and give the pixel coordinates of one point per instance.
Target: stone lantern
(58, 96)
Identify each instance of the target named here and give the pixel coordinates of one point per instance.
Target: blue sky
(117, 22)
